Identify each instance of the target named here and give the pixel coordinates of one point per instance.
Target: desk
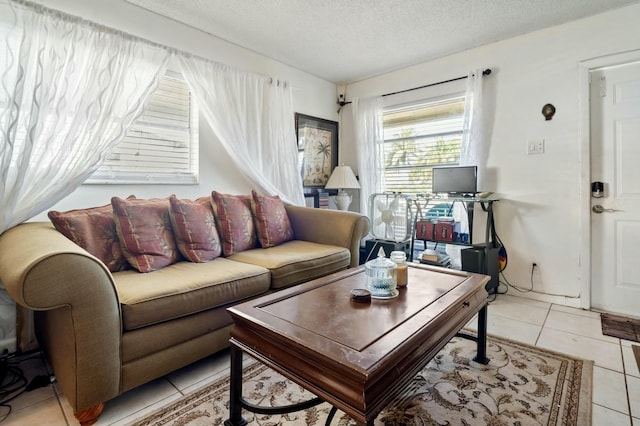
(482, 257)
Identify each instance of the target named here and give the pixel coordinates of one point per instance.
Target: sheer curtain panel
(474, 148)
(253, 118)
(68, 91)
(369, 137)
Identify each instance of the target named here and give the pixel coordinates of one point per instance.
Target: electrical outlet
(535, 147)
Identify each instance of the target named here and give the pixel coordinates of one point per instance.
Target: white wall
(311, 95)
(539, 218)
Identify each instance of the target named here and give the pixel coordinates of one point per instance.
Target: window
(419, 137)
(161, 147)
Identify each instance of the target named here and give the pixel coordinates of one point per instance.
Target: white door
(615, 161)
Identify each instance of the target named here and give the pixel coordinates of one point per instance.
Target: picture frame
(317, 141)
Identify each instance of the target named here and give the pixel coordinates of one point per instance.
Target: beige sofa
(105, 333)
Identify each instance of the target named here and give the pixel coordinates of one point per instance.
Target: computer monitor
(459, 180)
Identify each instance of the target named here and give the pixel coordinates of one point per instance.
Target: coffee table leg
(481, 355)
(235, 405)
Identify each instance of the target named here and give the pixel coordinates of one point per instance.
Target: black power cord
(503, 253)
(14, 383)
(515, 287)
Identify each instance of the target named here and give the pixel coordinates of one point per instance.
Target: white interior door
(615, 161)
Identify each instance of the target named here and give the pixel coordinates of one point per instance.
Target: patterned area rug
(522, 385)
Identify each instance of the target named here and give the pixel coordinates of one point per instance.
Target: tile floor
(616, 390)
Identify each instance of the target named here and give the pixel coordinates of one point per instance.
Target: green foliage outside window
(417, 139)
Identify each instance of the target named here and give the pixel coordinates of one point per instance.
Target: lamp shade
(342, 178)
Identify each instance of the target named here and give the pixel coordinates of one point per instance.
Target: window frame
(416, 104)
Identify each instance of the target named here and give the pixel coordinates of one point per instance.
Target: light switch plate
(535, 147)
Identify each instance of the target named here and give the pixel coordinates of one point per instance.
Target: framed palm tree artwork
(317, 149)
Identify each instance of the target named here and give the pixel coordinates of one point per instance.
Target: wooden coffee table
(355, 356)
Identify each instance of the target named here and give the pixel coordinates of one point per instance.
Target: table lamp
(342, 178)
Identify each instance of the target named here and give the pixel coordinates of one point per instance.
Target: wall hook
(548, 111)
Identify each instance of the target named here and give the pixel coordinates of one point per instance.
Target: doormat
(636, 353)
(620, 327)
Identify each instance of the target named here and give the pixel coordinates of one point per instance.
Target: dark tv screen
(455, 180)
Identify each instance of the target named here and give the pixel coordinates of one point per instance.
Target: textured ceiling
(344, 41)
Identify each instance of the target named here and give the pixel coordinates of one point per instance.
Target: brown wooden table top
(353, 354)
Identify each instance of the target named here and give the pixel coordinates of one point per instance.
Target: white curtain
(253, 118)
(475, 143)
(369, 138)
(474, 149)
(68, 92)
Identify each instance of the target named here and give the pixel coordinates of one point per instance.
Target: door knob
(599, 209)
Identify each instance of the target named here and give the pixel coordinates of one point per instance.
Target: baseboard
(572, 302)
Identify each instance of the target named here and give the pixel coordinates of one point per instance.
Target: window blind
(417, 138)
(162, 145)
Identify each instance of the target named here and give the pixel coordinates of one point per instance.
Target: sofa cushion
(94, 230)
(145, 234)
(272, 222)
(235, 222)
(194, 229)
(185, 288)
(145, 344)
(297, 261)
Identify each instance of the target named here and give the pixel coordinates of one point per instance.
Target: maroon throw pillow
(94, 230)
(194, 229)
(272, 221)
(235, 222)
(144, 231)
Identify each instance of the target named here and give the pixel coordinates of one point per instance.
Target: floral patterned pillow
(195, 229)
(94, 230)
(272, 221)
(235, 222)
(144, 231)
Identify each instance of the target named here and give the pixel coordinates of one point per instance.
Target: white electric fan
(388, 215)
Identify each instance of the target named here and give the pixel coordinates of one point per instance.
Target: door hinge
(603, 87)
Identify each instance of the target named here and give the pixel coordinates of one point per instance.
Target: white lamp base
(342, 200)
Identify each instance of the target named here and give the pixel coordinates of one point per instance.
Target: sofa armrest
(334, 227)
(81, 327)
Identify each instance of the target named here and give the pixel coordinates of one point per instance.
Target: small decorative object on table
(381, 277)
(360, 295)
(402, 273)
